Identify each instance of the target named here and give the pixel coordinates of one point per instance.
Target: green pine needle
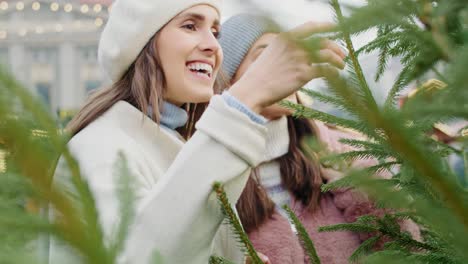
(304, 237)
(235, 224)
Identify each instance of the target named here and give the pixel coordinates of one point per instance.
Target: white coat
(177, 214)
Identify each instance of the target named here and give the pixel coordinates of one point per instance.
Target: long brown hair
(300, 176)
(143, 86)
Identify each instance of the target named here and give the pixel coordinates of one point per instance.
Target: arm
(178, 217)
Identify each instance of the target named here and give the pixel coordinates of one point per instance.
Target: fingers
(335, 47)
(264, 258)
(309, 28)
(321, 70)
(329, 56)
(330, 51)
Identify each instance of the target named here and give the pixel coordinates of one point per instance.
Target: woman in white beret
(163, 58)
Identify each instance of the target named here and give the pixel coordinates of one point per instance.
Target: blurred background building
(50, 46)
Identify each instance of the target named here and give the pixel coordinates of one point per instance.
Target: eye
(190, 27)
(216, 33)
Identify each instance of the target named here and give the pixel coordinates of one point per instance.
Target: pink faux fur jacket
(276, 240)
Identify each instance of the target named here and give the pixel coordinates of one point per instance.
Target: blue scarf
(172, 116)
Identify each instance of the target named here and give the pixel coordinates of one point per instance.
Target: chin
(201, 97)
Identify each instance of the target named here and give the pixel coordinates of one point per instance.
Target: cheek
(241, 70)
(219, 59)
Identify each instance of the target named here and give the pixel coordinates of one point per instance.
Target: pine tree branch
(80, 228)
(404, 142)
(364, 248)
(323, 97)
(305, 112)
(219, 260)
(352, 55)
(354, 227)
(304, 237)
(386, 166)
(234, 222)
(355, 155)
(127, 197)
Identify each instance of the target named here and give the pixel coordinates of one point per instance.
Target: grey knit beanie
(238, 34)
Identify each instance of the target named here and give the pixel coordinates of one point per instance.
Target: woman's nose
(209, 43)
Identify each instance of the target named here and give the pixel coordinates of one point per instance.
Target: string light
(4, 5)
(97, 8)
(20, 6)
(68, 8)
(54, 7)
(36, 6)
(109, 8)
(98, 22)
(84, 8)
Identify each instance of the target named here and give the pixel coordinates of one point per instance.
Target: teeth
(201, 66)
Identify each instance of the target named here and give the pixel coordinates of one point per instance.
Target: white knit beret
(131, 25)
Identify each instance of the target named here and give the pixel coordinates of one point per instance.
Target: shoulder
(115, 131)
(121, 128)
(100, 144)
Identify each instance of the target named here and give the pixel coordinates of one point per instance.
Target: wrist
(240, 106)
(244, 94)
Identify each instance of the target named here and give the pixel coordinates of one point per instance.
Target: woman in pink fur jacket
(290, 177)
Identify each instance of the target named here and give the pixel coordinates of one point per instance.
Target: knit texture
(238, 34)
(236, 104)
(131, 25)
(173, 116)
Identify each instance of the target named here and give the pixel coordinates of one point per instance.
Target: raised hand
(285, 66)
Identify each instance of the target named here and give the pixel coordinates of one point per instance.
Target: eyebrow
(261, 47)
(199, 17)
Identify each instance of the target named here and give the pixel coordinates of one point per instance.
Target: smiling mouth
(201, 69)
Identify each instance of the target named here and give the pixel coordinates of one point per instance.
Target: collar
(172, 116)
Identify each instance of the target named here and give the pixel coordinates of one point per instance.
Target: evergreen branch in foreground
(352, 55)
(304, 237)
(364, 248)
(234, 222)
(219, 260)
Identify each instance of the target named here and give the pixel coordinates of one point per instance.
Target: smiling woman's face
(190, 55)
